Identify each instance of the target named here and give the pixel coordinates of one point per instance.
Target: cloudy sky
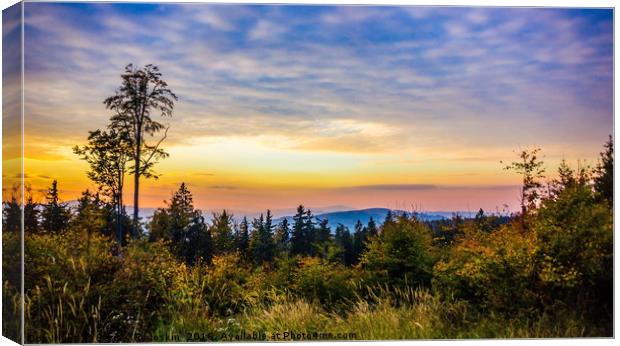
(330, 106)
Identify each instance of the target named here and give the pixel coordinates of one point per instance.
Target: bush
(329, 284)
(65, 282)
(494, 270)
(403, 253)
(575, 257)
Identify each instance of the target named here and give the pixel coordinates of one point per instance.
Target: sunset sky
(333, 107)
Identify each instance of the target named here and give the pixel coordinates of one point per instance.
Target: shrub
(495, 270)
(403, 253)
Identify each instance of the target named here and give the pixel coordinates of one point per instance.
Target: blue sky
(430, 91)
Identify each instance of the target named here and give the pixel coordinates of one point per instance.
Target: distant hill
(349, 218)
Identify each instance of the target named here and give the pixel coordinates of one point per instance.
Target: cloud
(427, 74)
(266, 30)
(395, 187)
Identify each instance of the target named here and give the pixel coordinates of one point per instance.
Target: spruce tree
(242, 238)
(359, 240)
(322, 239)
(604, 173)
(309, 233)
(222, 233)
(281, 236)
(55, 215)
(372, 228)
(261, 240)
(298, 236)
(343, 240)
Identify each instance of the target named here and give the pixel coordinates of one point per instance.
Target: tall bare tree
(142, 94)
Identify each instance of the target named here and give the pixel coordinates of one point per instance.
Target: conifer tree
(281, 236)
(322, 239)
(242, 238)
(343, 239)
(309, 233)
(89, 214)
(55, 215)
(31, 214)
(298, 236)
(372, 228)
(261, 239)
(359, 239)
(12, 213)
(604, 178)
(198, 244)
(222, 233)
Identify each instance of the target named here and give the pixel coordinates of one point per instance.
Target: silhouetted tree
(281, 236)
(298, 237)
(604, 178)
(242, 238)
(173, 222)
(197, 244)
(31, 213)
(142, 94)
(261, 239)
(372, 228)
(322, 238)
(343, 239)
(108, 154)
(89, 214)
(12, 212)
(55, 215)
(309, 233)
(359, 239)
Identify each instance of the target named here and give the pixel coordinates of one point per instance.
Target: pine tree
(343, 239)
(55, 215)
(12, 213)
(281, 236)
(309, 233)
(359, 240)
(389, 217)
(372, 228)
(242, 238)
(298, 236)
(261, 239)
(322, 239)
(198, 244)
(89, 214)
(222, 233)
(180, 213)
(604, 178)
(31, 214)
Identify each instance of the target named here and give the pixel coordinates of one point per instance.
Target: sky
(335, 107)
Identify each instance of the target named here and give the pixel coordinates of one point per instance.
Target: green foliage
(531, 170)
(493, 270)
(403, 253)
(575, 256)
(483, 277)
(222, 233)
(329, 284)
(262, 246)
